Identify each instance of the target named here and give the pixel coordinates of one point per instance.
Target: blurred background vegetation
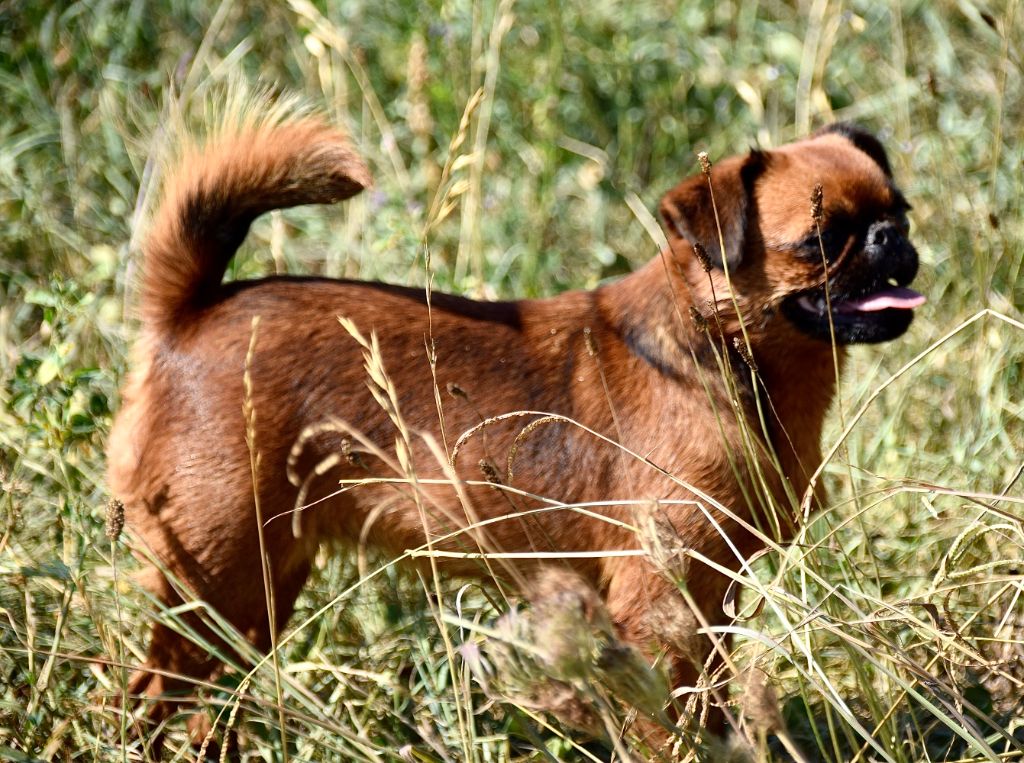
(915, 571)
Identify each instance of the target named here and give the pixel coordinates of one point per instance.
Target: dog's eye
(833, 240)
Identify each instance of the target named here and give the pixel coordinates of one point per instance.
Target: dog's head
(839, 267)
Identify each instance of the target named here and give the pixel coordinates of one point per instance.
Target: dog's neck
(651, 309)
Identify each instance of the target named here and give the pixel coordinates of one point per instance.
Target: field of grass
(892, 629)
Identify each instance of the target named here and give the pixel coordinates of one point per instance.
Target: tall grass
(891, 629)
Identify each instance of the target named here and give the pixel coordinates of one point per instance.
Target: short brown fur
(626, 360)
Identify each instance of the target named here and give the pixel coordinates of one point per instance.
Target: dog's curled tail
(253, 163)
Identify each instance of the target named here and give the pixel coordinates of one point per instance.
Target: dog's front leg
(674, 623)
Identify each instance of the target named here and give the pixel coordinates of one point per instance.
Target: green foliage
(897, 618)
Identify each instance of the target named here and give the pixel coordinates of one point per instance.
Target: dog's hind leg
(183, 657)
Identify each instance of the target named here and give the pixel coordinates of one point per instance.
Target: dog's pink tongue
(893, 297)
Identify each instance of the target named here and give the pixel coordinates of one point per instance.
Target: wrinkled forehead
(853, 185)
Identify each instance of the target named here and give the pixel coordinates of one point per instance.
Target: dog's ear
(689, 213)
(862, 139)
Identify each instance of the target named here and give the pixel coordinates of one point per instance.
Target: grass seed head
(705, 163)
(421, 123)
(663, 543)
(817, 197)
(759, 701)
(571, 623)
(702, 256)
(550, 656)
(630, 678)
(744, 352)
(115, 518)
(512, 669)
(677, 625)
(490, 472)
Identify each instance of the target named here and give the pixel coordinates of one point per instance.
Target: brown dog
(656, 381)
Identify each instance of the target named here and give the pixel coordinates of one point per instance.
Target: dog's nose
(882, 234)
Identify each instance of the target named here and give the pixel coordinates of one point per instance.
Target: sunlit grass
(891, 629)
